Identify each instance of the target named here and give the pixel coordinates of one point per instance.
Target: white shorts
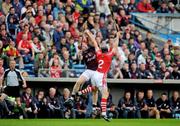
(88, 74)
(99, 80)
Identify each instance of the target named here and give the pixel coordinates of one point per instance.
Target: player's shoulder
(110, 53)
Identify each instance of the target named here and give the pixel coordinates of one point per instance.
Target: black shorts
(13, 91)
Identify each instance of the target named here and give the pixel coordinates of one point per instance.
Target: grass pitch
(89, 122)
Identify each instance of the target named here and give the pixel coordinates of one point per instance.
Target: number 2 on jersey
(100, 63)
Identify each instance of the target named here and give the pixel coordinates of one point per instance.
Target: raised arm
(92, 39)
(116, 42)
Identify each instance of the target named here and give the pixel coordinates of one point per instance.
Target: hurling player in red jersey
(104, 58)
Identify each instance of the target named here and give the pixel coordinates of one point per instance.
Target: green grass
(89, 122)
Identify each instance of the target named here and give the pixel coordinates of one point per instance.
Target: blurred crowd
(46, 33)
(53, 104)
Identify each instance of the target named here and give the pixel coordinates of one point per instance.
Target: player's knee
(94, 88)
(157, 111)
(105, 93)
(78, 83)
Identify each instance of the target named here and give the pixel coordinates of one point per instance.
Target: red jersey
(25, 44)
(104, 61)
(55, 72)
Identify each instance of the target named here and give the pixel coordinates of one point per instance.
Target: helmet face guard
(104, 49)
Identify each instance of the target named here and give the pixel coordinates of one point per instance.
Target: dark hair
(11, 8)
(164, 93)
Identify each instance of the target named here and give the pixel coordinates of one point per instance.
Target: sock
(103, 106)
(87, 90)
(94, 107)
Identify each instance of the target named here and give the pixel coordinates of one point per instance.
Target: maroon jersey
(104, 61)
(89, 57)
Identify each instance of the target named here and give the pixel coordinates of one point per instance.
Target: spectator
(115, 71)
(37, 46)
(132, 6)
(142, 58)
(4, 57)
(148, 40)
(53, 104)
(131, 58)
(74, 31)
(123, 18)
(153, 71)
(163, 106)
(5, 38)
(175, 104)
(57, 35)
(4, 109)
(167, 60)
(131, 45)
(140, 50)
(145, 6)
(40, 105)
(141, 107)
(47, 34)
(27, 100)
(165, 73)
(84, 6)
(158, 61)
(63, 21)
(58, 9)
(17, 6)
(125, 70)
(163, 8)
(12, 75)
(138, 41)
(39, 16)
(14, 54)
(68, 36)
(26, 50)
(38, 33)
(12, 22)
(28, 6)
(55, 69)
(151, 49)
(134, 73)
(171, 7)
(113, 6)
(175, 73)
(67, 60)
(67, 108)
(80, 107)
(6, 5)
(48, 9)
(144, 73)
(102, 7)
(125, 6)
(40, 65)
(19, 109)
(152, 107)
(56, 57)
(126, 104)
(112, 110)
(27, 16)
(25, 30)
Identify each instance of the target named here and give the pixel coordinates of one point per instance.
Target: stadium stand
(43, 37)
